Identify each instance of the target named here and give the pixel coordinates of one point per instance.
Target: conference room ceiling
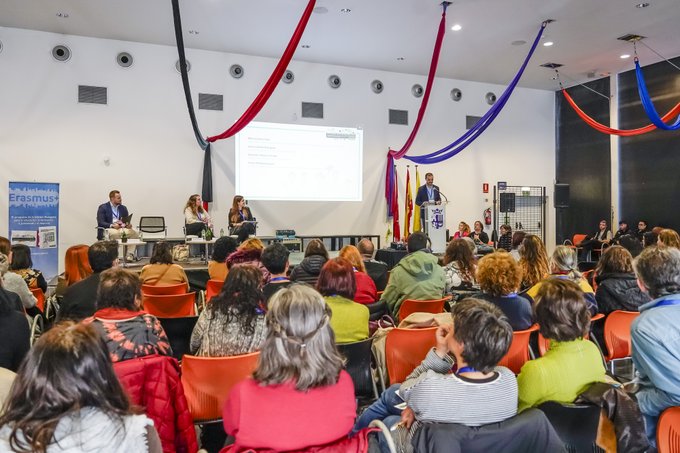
(390, 35)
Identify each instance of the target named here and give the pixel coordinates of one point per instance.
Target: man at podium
(427, 193)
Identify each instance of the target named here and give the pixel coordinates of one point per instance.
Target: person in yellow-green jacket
(349, 319)
(572, 363)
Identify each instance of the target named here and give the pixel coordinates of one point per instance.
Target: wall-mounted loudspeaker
(124, 59)
(377, 86)
(417, 90)
(490, 98)
(61, 53)
(561, 195)
(179, 70)
(236, 71)
(507, 202)
(334, 81)
(456, 94)
(288, 76)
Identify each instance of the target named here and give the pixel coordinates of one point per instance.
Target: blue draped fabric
(649, 105)
(472, 134)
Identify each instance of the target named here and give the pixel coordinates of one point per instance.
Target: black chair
(153, 226)
(529, 431)
(179, 331)
(359, 358)
(576, 424)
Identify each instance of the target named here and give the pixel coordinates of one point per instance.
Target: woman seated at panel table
(162, 271)
(240, 218)
(196, 218)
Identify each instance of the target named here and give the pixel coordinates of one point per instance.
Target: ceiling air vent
(209, 101)
(552, 65)
(631, 37)
(399, 117)
(92, 95)
(312, 110)
(470, 121)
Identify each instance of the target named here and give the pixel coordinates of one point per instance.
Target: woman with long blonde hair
(196, 218)
(533, 261)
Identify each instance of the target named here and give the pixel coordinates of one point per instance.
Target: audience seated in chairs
(366, 292)
(417, 276)
(617, 287)
(161, 270)
(299, 395)
(572, 363)
(533, 261)
(499, 277)
(79, 299)
(14, 327)
(459, 267)
(217, 266)
(76, 268)
(655, 334)
(337, 284)
(14, 289)
(128, 331)
(563, 265)
(22, 265)
(233, 322)
(81, 406)
(478, 393)
(275, 259)
(249, 252)
(377, 270)
(309, 268)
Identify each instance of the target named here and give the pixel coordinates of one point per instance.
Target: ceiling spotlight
(194, 32)
(624, 56)
(400, 58)
(548, 43)
(642, 5)
(456, 27)
(345, 10)
(305, 46)
(62, 15)
(519, 42)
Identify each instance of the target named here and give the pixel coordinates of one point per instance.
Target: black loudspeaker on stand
(507, 202)
(561, 195)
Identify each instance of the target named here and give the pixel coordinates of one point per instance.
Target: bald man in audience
(377, 270)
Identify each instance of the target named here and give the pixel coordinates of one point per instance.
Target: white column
(614, 151)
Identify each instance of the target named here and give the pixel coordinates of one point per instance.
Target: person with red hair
(337, 284)
(366, 292)
(76, 267)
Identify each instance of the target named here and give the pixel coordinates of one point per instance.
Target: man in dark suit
(79, 298)
(110, 219)
(377, 270)
(427, 193)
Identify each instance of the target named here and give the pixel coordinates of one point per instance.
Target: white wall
(45, 135)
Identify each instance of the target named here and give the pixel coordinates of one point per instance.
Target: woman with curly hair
(669, 238)
(499, 276)
(459, 266)
(533, 260)
(249, 252)
(233, 322)
(463, 231)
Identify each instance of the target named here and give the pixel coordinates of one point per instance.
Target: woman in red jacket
(299, 395)
(366, 292)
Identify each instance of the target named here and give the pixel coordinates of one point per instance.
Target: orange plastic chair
(213, 288)
(575, 241)
(544, 343)
(409, 306)
(405, 349)
(164, 290)
(170, 306)
(207, 382)
(40, 296)
(518, 354)
(617, 334)
(668, 431)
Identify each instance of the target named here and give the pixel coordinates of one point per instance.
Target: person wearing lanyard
(240, 219)
(427, 193)
(111, 221)
(655, 334)
(196, 218)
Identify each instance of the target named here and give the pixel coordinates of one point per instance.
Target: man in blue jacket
(427, 193)
(655, 334)
(111, 219)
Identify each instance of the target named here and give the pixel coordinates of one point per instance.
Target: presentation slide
(296, 162)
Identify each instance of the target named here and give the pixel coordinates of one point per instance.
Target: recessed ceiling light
(548, 43)
(624, 56)
(194, 32)
(457, 27)
(345, 10)
(305, 46)
(62, 15)
(519, 42)
(400, 58)
(642, 5)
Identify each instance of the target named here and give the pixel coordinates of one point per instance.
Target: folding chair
(405, 349)
(519, 352)
(359, 360)
(170, 306)
(409, 306)
(164, 290)
(153, 227)
(617, 335)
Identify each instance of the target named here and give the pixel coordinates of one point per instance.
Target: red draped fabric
(396, 233)
(273, 80)
(675, 111)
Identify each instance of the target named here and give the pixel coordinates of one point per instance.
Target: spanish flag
(408, 205)
(416, 214)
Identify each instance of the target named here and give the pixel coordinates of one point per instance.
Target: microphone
(440, 193)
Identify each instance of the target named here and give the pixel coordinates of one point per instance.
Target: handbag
(180, 253)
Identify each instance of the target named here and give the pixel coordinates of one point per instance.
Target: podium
(435, 226)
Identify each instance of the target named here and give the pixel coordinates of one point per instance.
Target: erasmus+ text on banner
(34, 221)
